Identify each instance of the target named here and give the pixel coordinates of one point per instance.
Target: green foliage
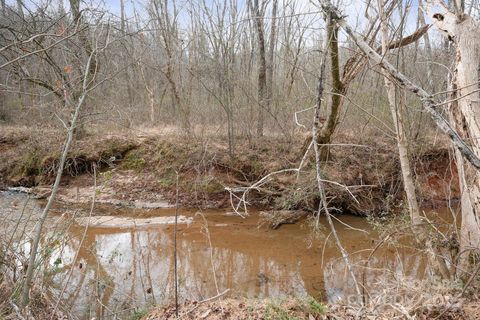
(57, 262)
(29, 165)
(208, 186)
(294, 309)
(134, 161)
(166, 150)
(166, 182)
(107, 175)
(275, 311)
(314, 307)
(289, 201)
(138, 314)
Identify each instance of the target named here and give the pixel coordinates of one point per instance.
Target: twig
(207, 231)
(349, 226)
(206, 300)
(296, 116)
(17, 311)
(304, 158)
(175, 275)
(245, 190)
(469, 281)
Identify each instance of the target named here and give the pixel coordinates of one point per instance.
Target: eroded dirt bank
(140, 170)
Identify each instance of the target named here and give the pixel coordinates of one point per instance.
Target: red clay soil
(437, 178)
(133, 168)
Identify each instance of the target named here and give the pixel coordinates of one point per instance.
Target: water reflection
(120, 269)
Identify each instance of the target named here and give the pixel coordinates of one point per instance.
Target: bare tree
(271, 52)
(221, 30)
(165, 22)
(323, 205)
(258, 12)
(465, 34)
(88, 84)
(397, 115)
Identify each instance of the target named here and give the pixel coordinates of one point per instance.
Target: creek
(125, 261)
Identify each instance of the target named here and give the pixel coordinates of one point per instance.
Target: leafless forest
(142, 120)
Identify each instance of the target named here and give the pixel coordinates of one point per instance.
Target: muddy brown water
(119, 269)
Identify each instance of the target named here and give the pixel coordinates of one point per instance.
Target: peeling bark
(465, 114)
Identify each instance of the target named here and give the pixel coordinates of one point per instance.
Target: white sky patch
(308, 12)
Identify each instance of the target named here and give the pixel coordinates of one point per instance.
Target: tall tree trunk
(93, 65)
(428, 48)
(122, 16)
(429, 56)
(465, 112)
(271, 51)
(323, 205)
(20, 8)
(402, 144)
(126, 55)
(293, 70)
(151, 96)
(168, 33)
(262, 68)
(338, 90)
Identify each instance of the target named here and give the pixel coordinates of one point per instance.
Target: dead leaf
(205, 314)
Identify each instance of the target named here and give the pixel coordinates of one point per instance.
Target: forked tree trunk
(339, 89)
(465, 112)
(168, 30)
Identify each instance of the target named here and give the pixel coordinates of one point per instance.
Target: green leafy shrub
(134, 160)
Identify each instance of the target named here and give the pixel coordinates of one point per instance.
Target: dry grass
(441, 308)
